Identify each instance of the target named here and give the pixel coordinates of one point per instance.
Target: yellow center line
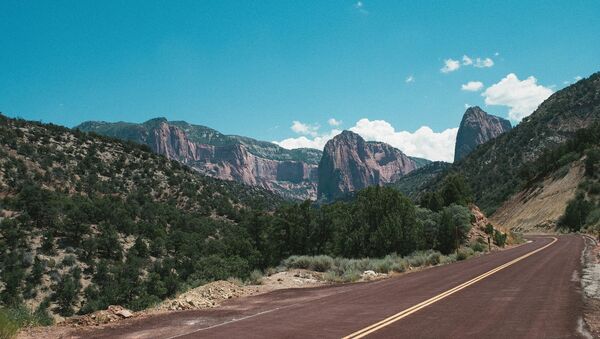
(392, 319)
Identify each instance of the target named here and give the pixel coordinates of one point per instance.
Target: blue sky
(255, 67)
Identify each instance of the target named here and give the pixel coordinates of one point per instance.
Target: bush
(434, 258)
(399, 265)
(500, 238)
(320, 263)
(464, 253)
(417, 259)
(256, 277)
(383, 265)
(477, 246)
(345, 277)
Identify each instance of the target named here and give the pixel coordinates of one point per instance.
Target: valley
(287, 169)
(116, 216)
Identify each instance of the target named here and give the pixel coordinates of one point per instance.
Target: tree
(456, 191)
(576, 213)
(66, 291)
(455, 224)
(433, 201)
(593, 158)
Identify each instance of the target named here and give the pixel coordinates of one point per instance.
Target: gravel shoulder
(590, 283)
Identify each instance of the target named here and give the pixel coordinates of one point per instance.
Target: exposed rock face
(350, 163)
(476, 128)
(293, 173)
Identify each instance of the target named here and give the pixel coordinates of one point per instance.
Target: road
(530, 291)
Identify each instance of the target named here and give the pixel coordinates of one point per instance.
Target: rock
(350, 163)
(124, 313)
(292, 173)
(476, 128)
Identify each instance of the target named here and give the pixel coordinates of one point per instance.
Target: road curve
(509, 293)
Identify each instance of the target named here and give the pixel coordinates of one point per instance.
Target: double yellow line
(392, 319)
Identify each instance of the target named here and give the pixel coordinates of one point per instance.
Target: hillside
(291, 173)
(88, 221)
(499, 168)
(492, 170)
(562, 190)
(413, 183)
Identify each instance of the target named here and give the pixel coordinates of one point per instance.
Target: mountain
(476, 128)
(291, 173)
(88, 221)
(350, 163)
(412, 183)
(501, 167)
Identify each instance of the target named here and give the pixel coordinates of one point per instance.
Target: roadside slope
(538, 208)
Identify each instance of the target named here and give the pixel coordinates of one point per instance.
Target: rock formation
(476, 128)
(350, 163)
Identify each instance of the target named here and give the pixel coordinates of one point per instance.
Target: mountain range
(347, 164)
(88, 220)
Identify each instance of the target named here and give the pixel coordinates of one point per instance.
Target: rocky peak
(476, 128)
(291, 173)
(350, 163)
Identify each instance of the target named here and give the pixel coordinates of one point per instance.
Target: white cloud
(423, 142)
(450, 65)
(521, 96)
(304, 129)
(333, 122)
(472, 86)
(317, 142)
(409, 79)
(497, 54)
(482, 63)
(577, 78)
(467, 61)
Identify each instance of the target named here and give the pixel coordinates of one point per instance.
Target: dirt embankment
(538, 208)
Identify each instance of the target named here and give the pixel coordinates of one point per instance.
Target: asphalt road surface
(531, 291)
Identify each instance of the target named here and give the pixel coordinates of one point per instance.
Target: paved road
(531, 291)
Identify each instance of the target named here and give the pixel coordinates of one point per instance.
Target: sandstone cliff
(476, 128)
(350, 163)
(291, 173)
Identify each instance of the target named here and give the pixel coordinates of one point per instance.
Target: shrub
(345, 277)
(320, 263)
(477, 246)
(434, 258)
(499, 238)
(399, 265)
(464, 253)
(417, 259)
(256, 277)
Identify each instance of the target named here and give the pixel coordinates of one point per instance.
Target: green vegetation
(92, 221)
(507, 164)
(339, 269)
(583, 212)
